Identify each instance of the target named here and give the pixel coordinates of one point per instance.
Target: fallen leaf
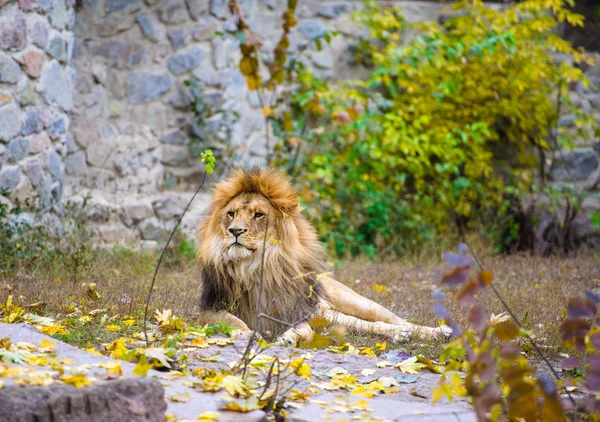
(410, 365)
(180, 397)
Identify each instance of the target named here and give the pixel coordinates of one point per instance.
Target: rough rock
(178, 37)
(13, 32)
(571, 166)
(174, 155)
(18, 149)
(60, 15)
(218, 8)
(32, 122)
(143, 87)
(170, 207)
(137, 210)
(149, 26)
(331, 12)
(197, 8)
(175, 137)
(184, 62)
(33, 170)
(9, 70)
(154, 229)
(54, 165)
(9, 179)
(132, 399)
(123, 6)
(313, 28)
(32, 62)
(173, 12)
(57, 85)
(2, 155)
(9, 114)
(39, 142)
(121, 54)
(39, 32)
(75, 164)
(114, 24)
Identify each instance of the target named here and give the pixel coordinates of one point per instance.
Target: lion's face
(243, 224)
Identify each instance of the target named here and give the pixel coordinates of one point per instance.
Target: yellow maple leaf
(142, 367)
(1, 385)
(180, 397)
(113, 368)
(47, 346)
(113, 327)
(239, 405)
(380, 288)
(199, 342)
(208, 417)
(117, 348)
(78, 380)
(410, 366)
(234, 386)
(380, 346)
(267, 111)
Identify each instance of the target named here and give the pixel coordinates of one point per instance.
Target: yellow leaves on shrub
(485, 278)
(506, 330)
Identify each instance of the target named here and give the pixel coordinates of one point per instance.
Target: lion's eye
(231, 214)
(258, 215)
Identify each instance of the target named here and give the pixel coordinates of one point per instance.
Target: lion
(255, 228)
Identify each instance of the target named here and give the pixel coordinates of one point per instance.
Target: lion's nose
(237, 232)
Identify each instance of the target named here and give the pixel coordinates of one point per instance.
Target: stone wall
(36, 97)
(131, 120)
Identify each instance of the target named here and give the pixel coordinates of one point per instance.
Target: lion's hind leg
(396, 332)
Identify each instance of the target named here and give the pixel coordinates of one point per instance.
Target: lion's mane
(290, 291)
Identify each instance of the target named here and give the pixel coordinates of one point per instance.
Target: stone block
(13, 32)
(170, 207)
(143, 87)
(218, 8)
(60, 15)
(10, 121)
(576, 165)
(32, 122)
(55, 165)
(38, 30)
(173, 12)
(155, 229)
(174, 155)
(175, 137)
(130, 399)
(123, 6)
(9, 179)
(137, 210)
(120, 54)
(32, 62)
(114, 24)
(9, 70)
(150, 27)
(197, 8)
(75, 164)
(58, 85)
(18, 149)
(313, 28)
(184, 62)
(33, 170)
(39, 142)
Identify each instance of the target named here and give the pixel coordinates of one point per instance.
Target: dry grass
(536, 289)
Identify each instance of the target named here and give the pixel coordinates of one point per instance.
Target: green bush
(451, 115)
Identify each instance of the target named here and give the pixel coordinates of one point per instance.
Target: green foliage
(451, 115)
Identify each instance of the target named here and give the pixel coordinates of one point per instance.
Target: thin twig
(162, 256)
(514, 317)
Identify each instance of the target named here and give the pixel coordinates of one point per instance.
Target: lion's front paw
(284, 341)
(247, 333)
(445, 331)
